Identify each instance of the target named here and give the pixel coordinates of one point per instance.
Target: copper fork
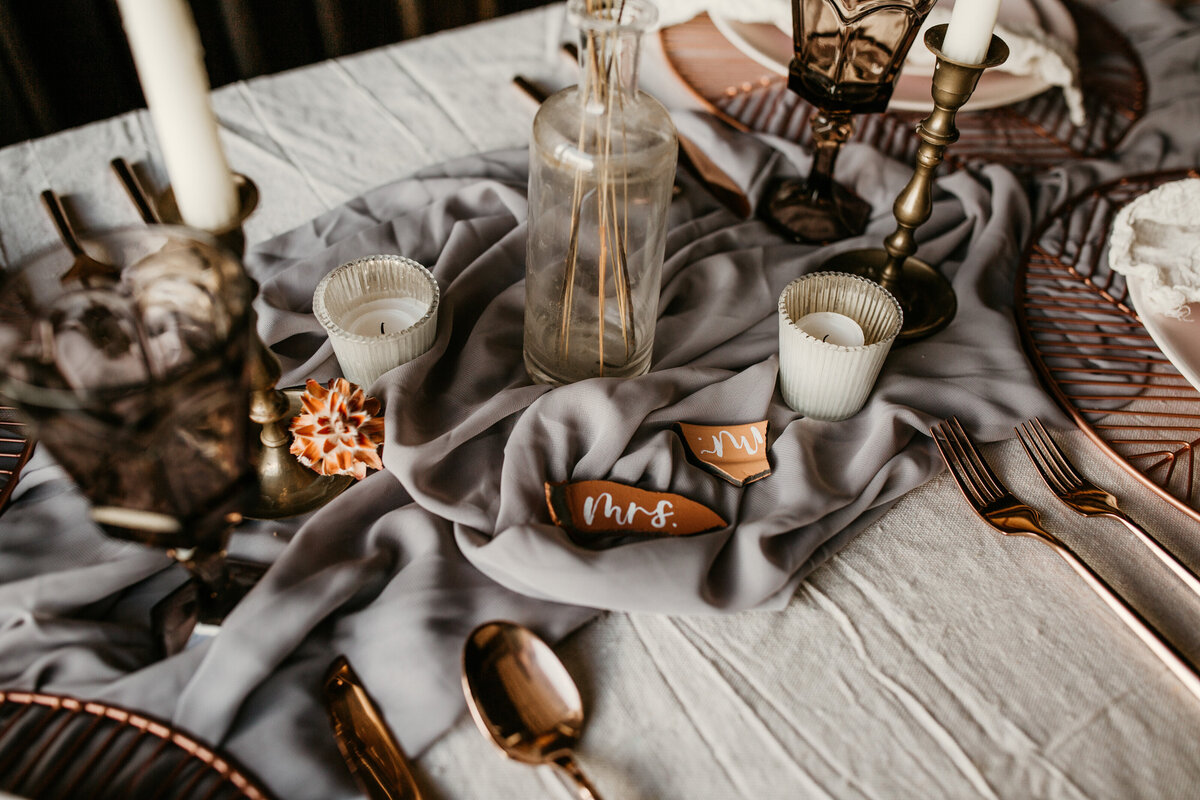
(997, 506)
(1080, 494)
(84, 268)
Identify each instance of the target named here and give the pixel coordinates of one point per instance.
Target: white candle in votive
(379, 311)
(833, 328)
(170, 65)
(969, 33)
(383, 316)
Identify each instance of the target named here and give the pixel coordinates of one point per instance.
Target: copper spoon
(524, 700)
(85, 268)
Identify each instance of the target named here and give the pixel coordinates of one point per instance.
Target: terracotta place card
(608, 507)
(737, 453)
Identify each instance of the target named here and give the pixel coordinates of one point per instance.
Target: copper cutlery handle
(1161, 553)
(572, 777)
(534, 91)
(999, 508)
(366, 743)
(1086, 498)
(1164, 650)
(58, 215)
(137, 193)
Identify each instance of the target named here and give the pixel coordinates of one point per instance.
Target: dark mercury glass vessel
(137, 381)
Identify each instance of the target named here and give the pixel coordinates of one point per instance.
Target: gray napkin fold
(397, 570)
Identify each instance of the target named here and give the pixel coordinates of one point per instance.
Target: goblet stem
(817, 209)
(830, 131)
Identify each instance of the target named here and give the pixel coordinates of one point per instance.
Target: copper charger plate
(15, 448)
(52, 746)
(1027, 136)
(1093, 353)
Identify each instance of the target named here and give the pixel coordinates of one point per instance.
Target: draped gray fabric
(397, 570)
(461, 405)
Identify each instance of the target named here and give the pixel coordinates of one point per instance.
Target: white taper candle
(170, 65)
(970, 30)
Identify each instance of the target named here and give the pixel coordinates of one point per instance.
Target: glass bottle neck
(608, 63)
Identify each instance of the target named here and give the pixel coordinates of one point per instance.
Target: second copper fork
(1084, 497)
(998, 507)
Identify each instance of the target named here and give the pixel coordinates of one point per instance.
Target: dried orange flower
(339, 430)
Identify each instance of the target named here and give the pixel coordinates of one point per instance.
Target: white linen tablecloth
(931, 657)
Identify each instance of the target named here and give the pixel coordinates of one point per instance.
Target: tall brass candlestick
(285, 486)
(925, 295)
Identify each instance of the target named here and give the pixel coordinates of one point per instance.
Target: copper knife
(364, 739)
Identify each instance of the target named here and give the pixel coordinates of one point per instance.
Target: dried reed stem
(612, 221)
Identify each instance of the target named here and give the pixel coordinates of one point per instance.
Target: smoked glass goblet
(137, 381)
(847, 56)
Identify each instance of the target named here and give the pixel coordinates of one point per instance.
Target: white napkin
(776, 12)
(1032, 49)
(1156, 239)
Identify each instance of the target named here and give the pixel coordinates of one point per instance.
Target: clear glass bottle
(602, 166)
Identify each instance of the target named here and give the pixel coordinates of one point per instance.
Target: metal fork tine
(985, 478)
(1037, 452)
(1055, 460)
(1070, 475)
(956, 466)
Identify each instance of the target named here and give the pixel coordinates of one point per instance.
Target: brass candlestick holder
(925, 295)
(286, 487)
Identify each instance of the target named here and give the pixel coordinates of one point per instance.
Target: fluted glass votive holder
(380, 312)
(835, 330)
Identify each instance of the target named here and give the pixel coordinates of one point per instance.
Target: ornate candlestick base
(925, 295)
(286, 487)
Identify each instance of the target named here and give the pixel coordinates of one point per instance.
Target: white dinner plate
(771, 47)
(1179, 339)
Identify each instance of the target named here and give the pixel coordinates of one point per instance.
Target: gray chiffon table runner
(397, 570)
(455, 531)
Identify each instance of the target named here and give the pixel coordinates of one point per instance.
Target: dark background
(64, 63)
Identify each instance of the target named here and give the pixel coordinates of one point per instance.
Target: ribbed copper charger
(53, 746)
(15, 448)
(1027, 136)
(1093, 353)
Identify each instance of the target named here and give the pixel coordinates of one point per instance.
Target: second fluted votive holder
(379, 311)
(835, 330)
